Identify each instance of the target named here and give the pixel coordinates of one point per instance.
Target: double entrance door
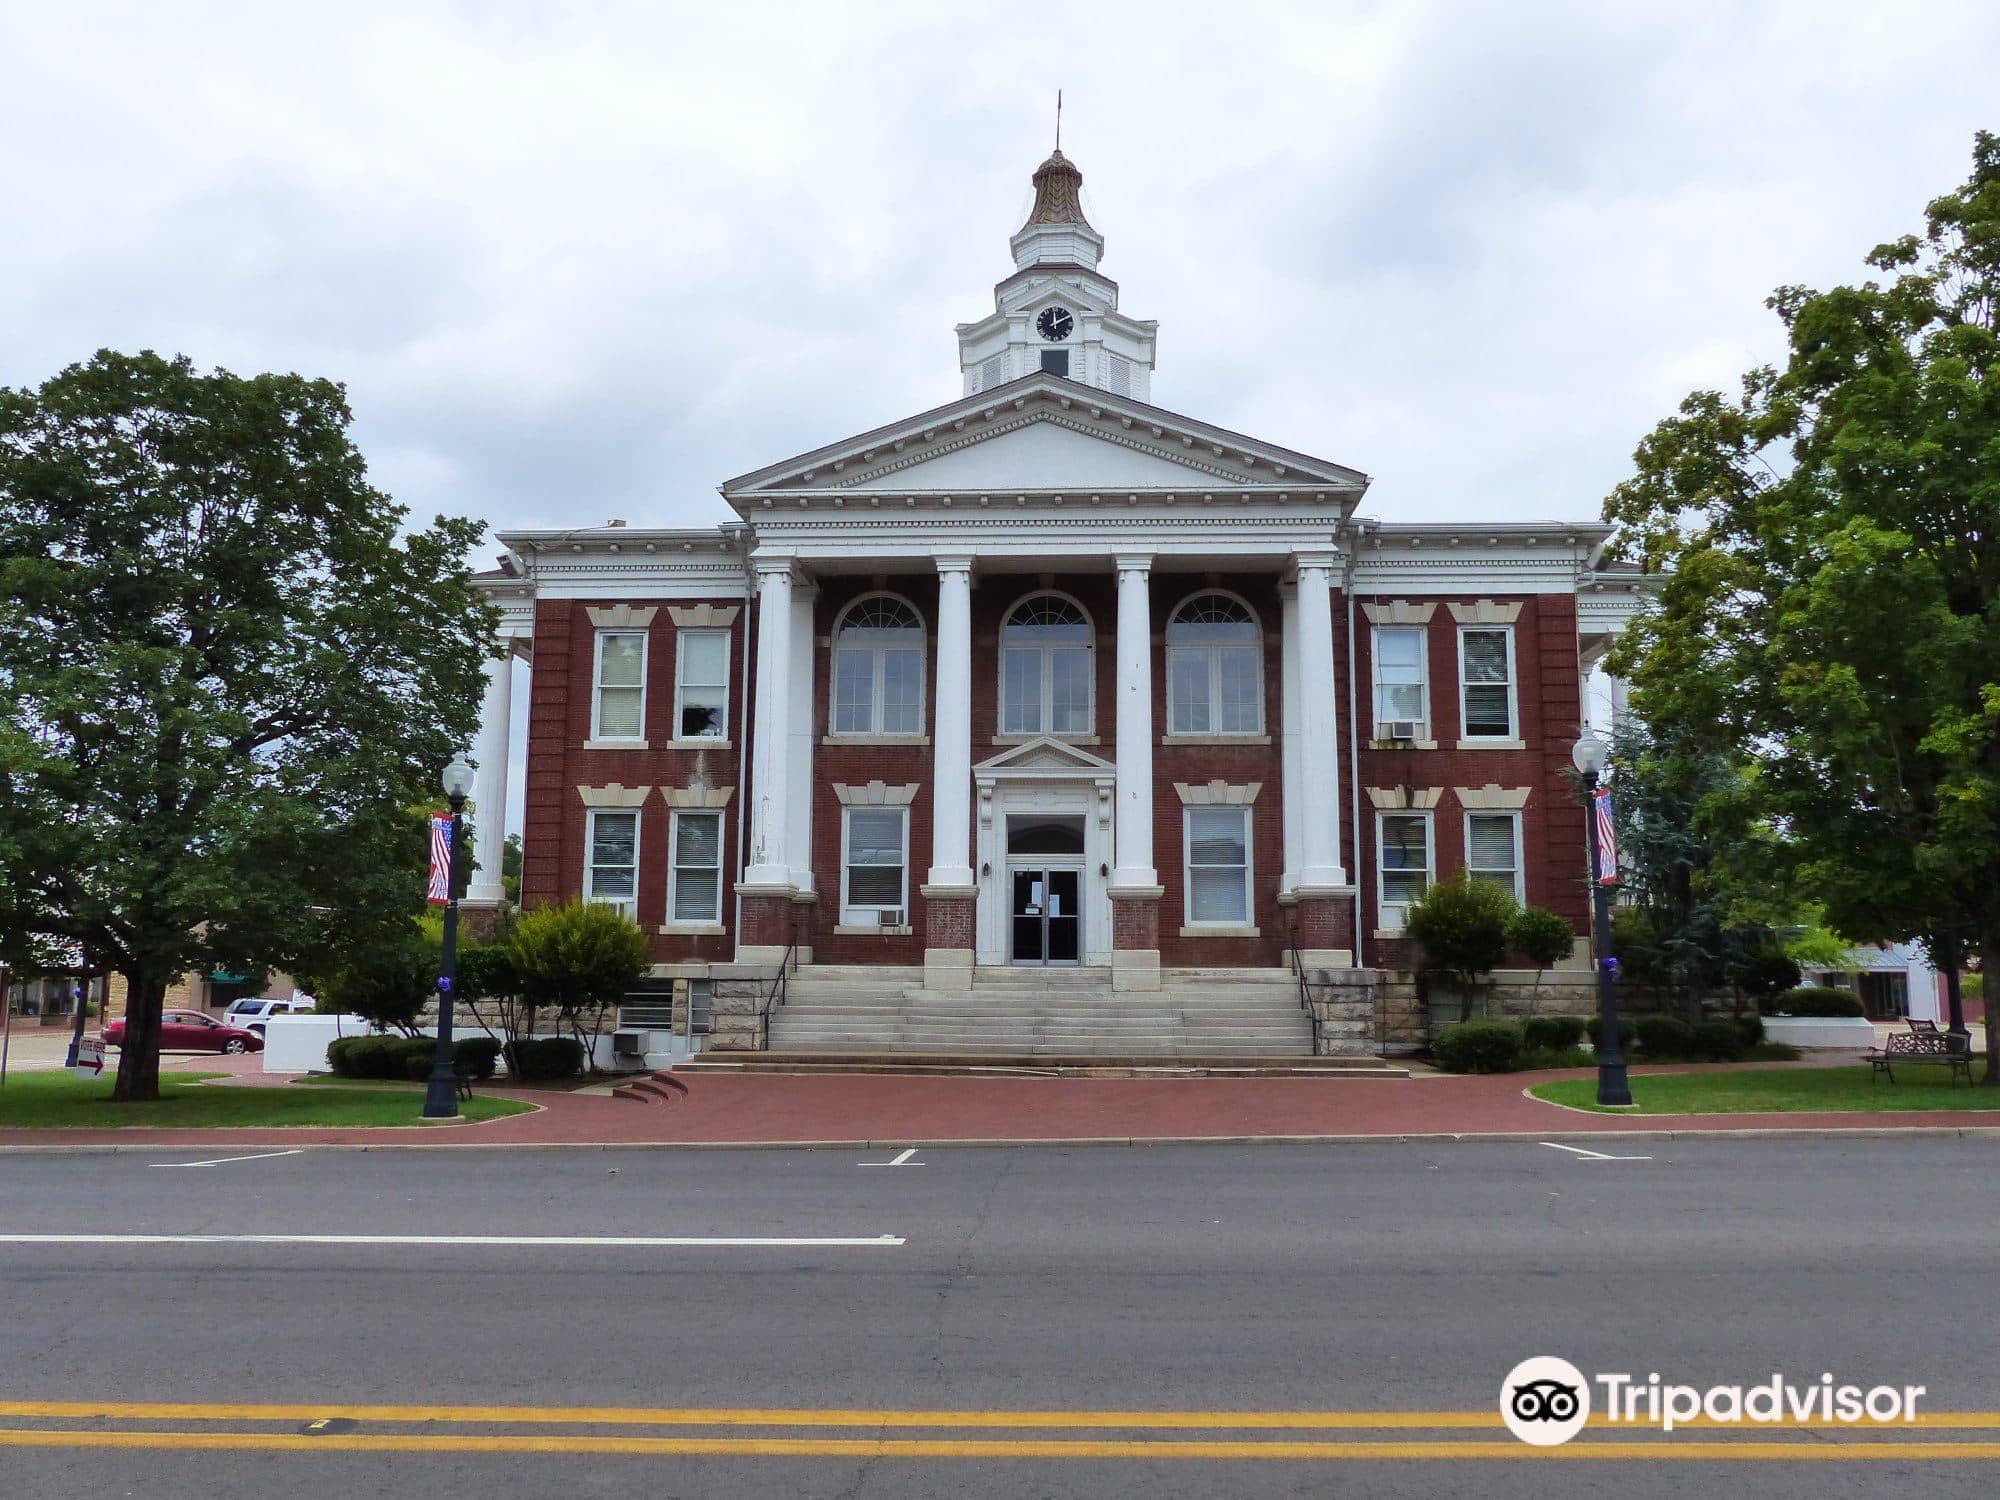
(1047, 914)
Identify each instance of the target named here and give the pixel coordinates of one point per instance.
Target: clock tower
(1057, 312)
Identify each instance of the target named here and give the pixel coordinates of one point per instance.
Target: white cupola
(1056, 313)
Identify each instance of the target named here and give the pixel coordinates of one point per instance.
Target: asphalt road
(1211, 1280)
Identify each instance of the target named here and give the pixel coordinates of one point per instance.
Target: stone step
(1102, 1065)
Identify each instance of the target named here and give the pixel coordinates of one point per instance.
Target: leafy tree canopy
(230, 675)
(1830, 613)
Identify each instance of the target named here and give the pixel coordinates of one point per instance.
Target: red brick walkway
(781, 1110)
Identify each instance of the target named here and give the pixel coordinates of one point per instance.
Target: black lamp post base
(1613, 1091)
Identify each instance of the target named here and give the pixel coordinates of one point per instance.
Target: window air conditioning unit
(1403, 729)
(889, 917)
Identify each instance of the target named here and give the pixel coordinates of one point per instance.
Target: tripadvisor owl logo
(1545, 1401)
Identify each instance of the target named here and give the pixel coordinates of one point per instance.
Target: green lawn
(53, 1100)
(1779, 1090)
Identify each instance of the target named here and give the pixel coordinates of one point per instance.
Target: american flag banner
(1607, 841)
(440, 887)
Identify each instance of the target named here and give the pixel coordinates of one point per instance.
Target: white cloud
(592, 261)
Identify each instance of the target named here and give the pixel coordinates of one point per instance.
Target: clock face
(1055, 324)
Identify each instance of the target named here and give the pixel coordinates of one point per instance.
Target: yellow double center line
(1921, 1439)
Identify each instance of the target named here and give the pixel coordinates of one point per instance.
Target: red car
(191, 1031)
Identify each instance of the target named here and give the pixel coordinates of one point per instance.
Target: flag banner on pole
(1607, 841)
(440, 887)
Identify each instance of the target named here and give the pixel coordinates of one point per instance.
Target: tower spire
(1058, 119)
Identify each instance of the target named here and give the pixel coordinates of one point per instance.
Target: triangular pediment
(1045, 755)
(1043, 433)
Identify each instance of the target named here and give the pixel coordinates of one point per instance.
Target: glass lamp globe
(1590, 753)
(458, 777)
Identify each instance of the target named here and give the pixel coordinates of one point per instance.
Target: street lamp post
(441, 1098)
(1613, 1088)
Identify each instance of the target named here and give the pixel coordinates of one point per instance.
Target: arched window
(1046, 669)
(878, 668)
(1215, 668)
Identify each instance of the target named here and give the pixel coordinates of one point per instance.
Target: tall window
(1486, 683)
(1400, 695)
(1045, 668)
(620, 709)
(701, 685)
(1404, 868)
(611, 866)
(1215, 673)
(1493, 849)
(878, 669)
(1218, 865)
(874, 865)
(697, 864)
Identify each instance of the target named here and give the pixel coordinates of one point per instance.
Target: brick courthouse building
(1048, 678)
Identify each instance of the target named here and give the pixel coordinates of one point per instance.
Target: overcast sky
(582, 262)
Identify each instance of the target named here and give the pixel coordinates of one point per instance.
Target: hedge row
(410, 1057)
(1815, 1000)
(1500, 1046)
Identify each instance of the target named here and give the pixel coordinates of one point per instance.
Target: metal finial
(1058, 119)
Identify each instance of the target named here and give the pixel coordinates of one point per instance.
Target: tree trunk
(139, 1053)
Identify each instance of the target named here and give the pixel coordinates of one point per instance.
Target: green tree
(1461, 926)
(230, 676)
(510, 868)
(390, 975)
(1543, 938)
(579, 958)
(1831, 610)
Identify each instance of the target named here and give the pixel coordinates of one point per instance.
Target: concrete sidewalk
(791, 1110)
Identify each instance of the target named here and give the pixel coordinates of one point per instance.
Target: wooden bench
(1931, 1047)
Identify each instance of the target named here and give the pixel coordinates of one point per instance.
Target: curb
(898, 1143)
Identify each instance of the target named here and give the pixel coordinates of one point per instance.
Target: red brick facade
(1547, 697)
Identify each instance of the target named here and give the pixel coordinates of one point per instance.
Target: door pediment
(1043, 757)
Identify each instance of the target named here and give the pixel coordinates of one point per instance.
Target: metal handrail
(774, 998)
(1305, 985)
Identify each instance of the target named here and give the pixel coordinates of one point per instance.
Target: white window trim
(1190, 926)
(1511, 739)
(706, 741)
(1046, 710)
(597, 738)
(1520, 873)
(849, 913)
(676, 922)
(1423, 682)
(875, 733)
(1383, 905)
(627, 904)
(1214, 654)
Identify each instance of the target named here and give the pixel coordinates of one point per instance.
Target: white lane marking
(566, 1241)
(225, 1160)
(1591, 1155)
(901, 1161)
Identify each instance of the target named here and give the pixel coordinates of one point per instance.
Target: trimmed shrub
(1461, 925)
(1752, 1027)
(361, 1057)
(1664, 1036)
(534, 1058)
(1594, 1029)
(476, 1056)
(1552, 1033)
(1553, 1057)
(1478, 1047)
(1771, 1052)
(415, 1056)
(1816, 1000)
(1718, 1040)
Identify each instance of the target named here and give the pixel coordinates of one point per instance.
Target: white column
(770, 746)
(1319, 748)
(1288, 722)
(799, 761)
(1132, 819)
(951, 752)
(489, 785)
